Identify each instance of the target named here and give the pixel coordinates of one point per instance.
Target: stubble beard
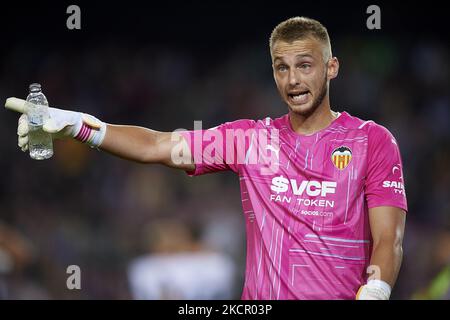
(316, 102)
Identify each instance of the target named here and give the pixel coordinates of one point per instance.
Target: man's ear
(332, 68)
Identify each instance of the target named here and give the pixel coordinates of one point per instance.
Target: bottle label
(36, 114)
(35, 120)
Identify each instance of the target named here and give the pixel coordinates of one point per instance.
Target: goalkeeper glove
(60, 124)
(374, 290)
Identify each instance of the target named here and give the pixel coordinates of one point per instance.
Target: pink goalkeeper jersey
(308, 233)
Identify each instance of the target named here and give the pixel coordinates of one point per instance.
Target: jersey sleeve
(384, 184)
(220, 148)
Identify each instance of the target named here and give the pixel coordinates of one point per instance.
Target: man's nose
(294, 77)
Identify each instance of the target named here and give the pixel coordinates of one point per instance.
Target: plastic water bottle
(40, 142)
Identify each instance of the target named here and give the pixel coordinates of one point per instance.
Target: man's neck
(320, 119)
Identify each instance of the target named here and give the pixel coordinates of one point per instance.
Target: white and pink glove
(61, 124)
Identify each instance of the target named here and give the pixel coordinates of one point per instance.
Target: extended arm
(145, 145)
(128, 142)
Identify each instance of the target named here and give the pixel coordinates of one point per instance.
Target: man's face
(301, 74)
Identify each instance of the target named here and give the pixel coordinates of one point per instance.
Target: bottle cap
(35, 87)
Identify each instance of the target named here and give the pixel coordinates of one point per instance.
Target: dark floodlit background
(163, 66)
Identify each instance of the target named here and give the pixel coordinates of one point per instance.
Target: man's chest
(316, 178)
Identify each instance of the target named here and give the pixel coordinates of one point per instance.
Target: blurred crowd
(86, 208)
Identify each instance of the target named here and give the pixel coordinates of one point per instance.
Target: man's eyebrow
(277, 58)
(300, 55)
(304, 55)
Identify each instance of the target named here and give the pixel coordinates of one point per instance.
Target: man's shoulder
(371, 127)
(375, 132)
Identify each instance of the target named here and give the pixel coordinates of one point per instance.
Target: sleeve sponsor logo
(397, 186)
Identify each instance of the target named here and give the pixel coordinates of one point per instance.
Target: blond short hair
(298, 28)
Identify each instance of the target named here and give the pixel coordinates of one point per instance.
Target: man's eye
(282, 67)
(305, 66)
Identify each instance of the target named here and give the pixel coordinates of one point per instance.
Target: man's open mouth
(298, 97)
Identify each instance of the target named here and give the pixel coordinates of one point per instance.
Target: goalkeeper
(325, 216)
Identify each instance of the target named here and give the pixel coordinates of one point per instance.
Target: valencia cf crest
(341, 157)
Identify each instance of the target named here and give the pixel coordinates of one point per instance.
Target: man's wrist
(374, 290)
(89, 130)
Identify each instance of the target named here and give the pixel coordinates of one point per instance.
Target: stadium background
(164, 65)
